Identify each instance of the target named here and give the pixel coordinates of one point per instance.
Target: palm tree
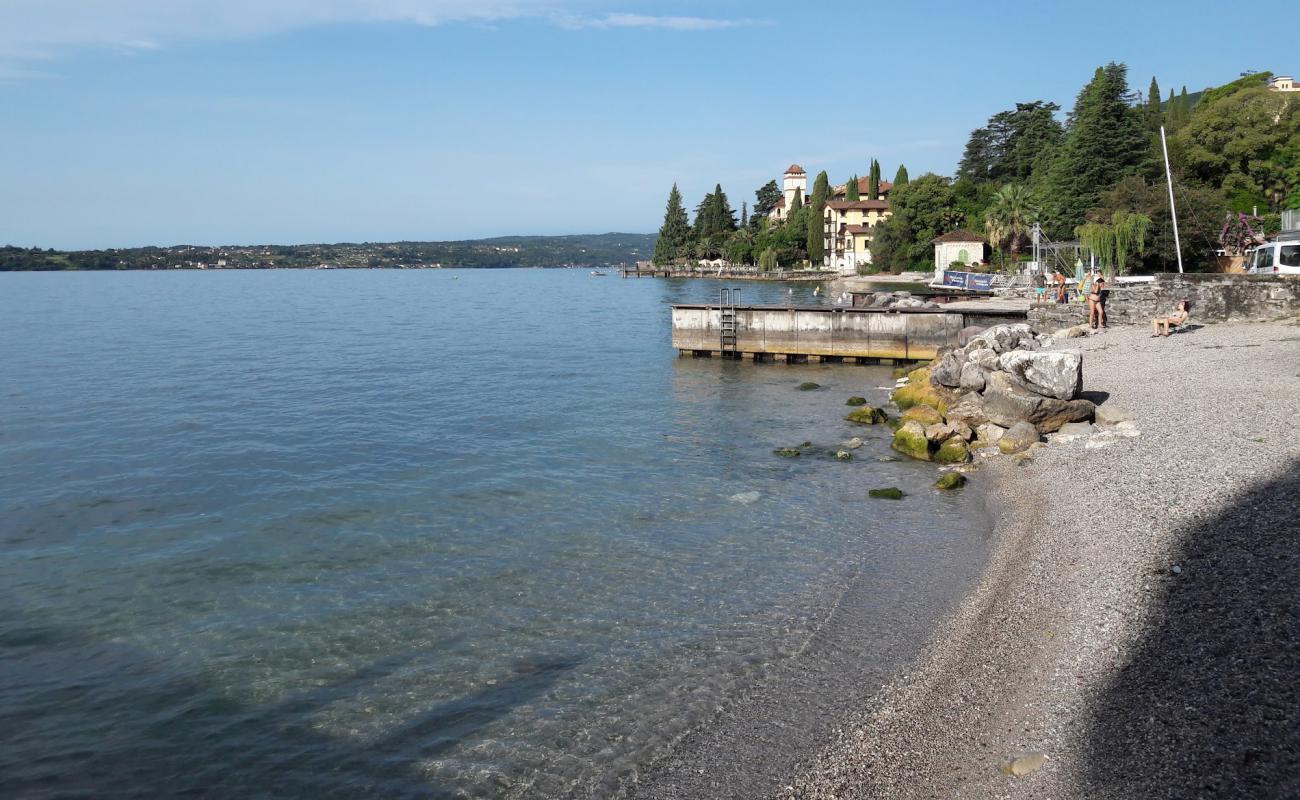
(1010, 218)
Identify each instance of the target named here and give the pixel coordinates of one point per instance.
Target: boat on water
(595, 273)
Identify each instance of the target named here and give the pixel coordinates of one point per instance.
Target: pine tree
(1106, 141)
(765, 199)
(851, 189)
(724, 218)
(900, 177)
(675, 233)
(816, 242)
(744, 214)
(873, 182)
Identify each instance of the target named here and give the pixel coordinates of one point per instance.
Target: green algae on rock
(888, 493)
(855, 400)
(924, 414)
(787, 452)
(808, 386)
(910, 440)
(950, 480)
(867, 415)
(954, 450)
(919, 391)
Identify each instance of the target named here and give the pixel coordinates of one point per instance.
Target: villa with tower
(847, 225)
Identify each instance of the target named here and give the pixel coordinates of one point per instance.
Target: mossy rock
(924, 414)
(910, 441)
(867, 415)
(843, 455)
(894, 423)
(919, 392)
(952, 451)
(808, 386)
(856, 401)
(787, 452)
(888, 493)
(901, 372)
(950, 480)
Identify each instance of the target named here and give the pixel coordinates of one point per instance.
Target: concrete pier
(801, 334)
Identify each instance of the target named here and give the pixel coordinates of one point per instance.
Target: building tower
(795, 178)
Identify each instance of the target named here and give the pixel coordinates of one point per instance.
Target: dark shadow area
(1096, 397)
(1209, 706)
(82, 718)
(1188, 328)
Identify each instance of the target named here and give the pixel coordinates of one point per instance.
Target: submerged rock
(808, 386)
(888, 493)
(856, 401)
(950, 480)
(852, 444)
(867, 415)
(1023, 764)
(843, 455)
(787, 452)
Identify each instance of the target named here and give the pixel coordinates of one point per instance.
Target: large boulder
(867, 415)
(1018, 438)
(919, 391)
(968, 411)
(910, 440)
(1049, 373)
(947, 371)
(926, 415)
(972, 377)
(1005, 402)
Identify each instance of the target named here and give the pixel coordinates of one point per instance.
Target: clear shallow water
(424, 534)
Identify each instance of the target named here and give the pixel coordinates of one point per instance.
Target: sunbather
(1179, 317)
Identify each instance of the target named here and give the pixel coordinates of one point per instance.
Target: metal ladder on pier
(728, 299)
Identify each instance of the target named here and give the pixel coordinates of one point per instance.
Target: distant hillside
(584, 250)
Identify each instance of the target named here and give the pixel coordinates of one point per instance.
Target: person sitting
(1097, 304)
(1179, 317)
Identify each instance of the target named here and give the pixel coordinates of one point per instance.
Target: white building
(957, 247)
(1283, 83)
(795, 182)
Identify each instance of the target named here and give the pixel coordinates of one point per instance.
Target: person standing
(1059, 279)
(1097, 303)
(1040, 286)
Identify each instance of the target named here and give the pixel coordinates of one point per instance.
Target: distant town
(591, 250)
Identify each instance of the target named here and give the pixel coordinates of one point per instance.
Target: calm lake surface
(440, 533)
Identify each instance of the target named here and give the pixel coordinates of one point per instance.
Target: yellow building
(848, 226)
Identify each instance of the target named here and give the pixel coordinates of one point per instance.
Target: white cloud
(33, 31)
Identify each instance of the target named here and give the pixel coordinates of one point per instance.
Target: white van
(1280, 257)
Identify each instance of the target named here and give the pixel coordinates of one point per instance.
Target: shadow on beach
(1209, 705)
(83, 718)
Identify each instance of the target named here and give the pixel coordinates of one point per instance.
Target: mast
(1173, 212)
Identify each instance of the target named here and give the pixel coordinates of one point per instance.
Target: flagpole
(1173, 212)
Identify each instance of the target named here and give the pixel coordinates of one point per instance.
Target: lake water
(438, 533)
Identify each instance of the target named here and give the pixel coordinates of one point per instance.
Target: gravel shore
(1139, 620)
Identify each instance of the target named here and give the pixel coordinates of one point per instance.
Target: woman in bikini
(1179, 317)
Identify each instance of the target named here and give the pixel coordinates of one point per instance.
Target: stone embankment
(1214, 298)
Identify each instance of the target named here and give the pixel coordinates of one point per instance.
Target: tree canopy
(675, 233)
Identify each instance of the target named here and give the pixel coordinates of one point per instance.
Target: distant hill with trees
(588, 250)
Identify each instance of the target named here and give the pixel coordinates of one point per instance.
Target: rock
(1108, 415)
(947, 371)
(937, 432)
(923, 414)
(972, 377)
(1023, 764)
(952, 451)
(856, 401)
(1076, 429)
(985, 357)
(967, 333)
(808, 386)
(1006, 402)
(988, 432)
(1072, 332)
(867, 415)
(961, 429)
(843, 455)
(888, 493)
(1018, 437)
(910, 441)
(787, 452)
(950, 480)
(918, 391)
(745, 498)
(852, 444)
(1049, 373)
(968, 410)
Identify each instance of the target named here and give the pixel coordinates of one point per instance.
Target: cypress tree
(1184, 106)
(816, 242)
(675, 233)
(873, 182)
(724, 218)
(744, 214)
(798, 200)
(1153, 104)
(851, 189)
(900, 177)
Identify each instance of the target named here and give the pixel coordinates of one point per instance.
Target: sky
(158, 122)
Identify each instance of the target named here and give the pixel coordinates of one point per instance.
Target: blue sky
(133, 122)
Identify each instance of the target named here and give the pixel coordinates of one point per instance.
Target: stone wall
(1215, 297)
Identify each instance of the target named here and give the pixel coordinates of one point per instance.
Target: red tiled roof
(858, 228)
(795, 169)
(959, 236)
(780, 202)
(865, 205)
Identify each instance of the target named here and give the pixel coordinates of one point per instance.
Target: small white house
(961, 247)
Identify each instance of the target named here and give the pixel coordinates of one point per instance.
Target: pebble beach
(1136, 632)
